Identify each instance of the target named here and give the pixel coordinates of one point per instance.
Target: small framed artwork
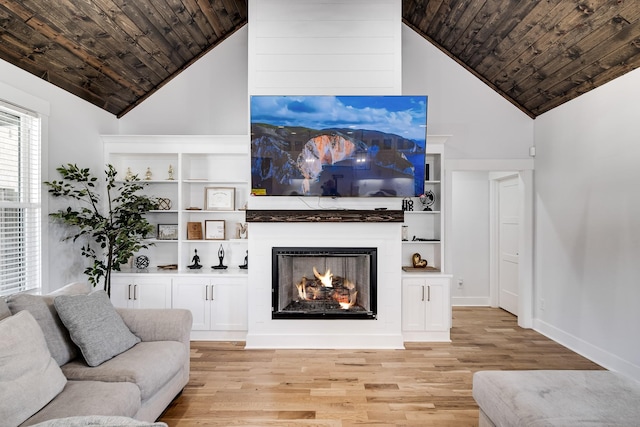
(214, 229)
(167, 231)
(194, 231)
(219, 198)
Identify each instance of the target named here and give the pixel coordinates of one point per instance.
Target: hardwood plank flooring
(427, 384)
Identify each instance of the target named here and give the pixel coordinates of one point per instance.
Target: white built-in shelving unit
(181, 169)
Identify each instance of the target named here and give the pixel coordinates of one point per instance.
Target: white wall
(469, 239)
(588, 224)
(208, 98)
(482, 124)
(73, 133)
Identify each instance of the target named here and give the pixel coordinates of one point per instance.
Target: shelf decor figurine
(241, 230)
(148, 175)
(220, 266)
(170, 178)
(417, 261)
(246, 262)
(195, 262)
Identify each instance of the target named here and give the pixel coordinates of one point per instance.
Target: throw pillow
(57, 336)
(95, 326)
(41, 307)
(29, 377)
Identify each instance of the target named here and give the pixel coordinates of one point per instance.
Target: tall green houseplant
(114, 230)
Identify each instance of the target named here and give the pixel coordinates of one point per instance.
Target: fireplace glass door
(324, 283)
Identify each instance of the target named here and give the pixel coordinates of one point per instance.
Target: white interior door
(509, 224)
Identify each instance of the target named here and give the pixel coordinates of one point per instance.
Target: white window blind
(20, 210)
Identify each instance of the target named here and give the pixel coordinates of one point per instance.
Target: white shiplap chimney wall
(325, 47)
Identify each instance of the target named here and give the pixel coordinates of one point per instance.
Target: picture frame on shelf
(219, 198)
(194, 231)
(167, 231)
(214, 229)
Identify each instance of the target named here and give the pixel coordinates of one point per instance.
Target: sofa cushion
(4, 309)
(557, 398)
(149, 365)
(29, 377)
(81, 398)
(98, 420)
(95, 326)
(41, 307)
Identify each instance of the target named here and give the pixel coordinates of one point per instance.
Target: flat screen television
(338, 146)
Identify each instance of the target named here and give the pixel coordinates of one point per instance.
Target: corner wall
(74, 126)
(588, 224)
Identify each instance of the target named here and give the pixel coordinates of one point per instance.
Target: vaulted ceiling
(537, 54)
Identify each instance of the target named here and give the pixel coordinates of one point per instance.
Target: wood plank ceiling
(538, 54)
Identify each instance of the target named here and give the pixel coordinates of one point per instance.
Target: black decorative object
(246, 262)
(164, 204)
(220, 266)
(195, 261)
(407, 204)
(142, 262)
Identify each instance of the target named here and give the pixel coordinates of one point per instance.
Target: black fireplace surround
(324, 283)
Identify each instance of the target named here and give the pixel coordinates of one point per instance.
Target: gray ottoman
(556, 398)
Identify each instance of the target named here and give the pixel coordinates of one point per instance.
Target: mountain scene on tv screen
(336, 162)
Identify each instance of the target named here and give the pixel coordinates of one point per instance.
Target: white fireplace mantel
(383, 332)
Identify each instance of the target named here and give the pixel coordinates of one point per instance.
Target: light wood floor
(427, 384)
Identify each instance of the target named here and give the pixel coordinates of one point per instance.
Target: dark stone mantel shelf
(346, 215)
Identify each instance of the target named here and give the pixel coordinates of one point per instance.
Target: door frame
(524, 168)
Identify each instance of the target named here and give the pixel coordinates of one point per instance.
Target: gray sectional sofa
(71, 354)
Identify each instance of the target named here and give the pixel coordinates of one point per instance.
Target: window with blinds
(20, 210)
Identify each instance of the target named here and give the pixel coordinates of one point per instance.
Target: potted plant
(114, 230)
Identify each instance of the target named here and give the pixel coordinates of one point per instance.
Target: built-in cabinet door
(217, 304)
(426, 304)
(194, 294)
(229, 305)
(413, 304)
(121, 290)
(438, 305)
(135, 291)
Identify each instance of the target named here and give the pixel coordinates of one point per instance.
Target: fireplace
(324, 283)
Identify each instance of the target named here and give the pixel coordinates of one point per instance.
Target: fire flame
(325, 278)
(344, 293)
(352, 300)
(302, 292)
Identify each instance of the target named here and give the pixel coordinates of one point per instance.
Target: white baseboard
(591, 352)
(470, 301)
